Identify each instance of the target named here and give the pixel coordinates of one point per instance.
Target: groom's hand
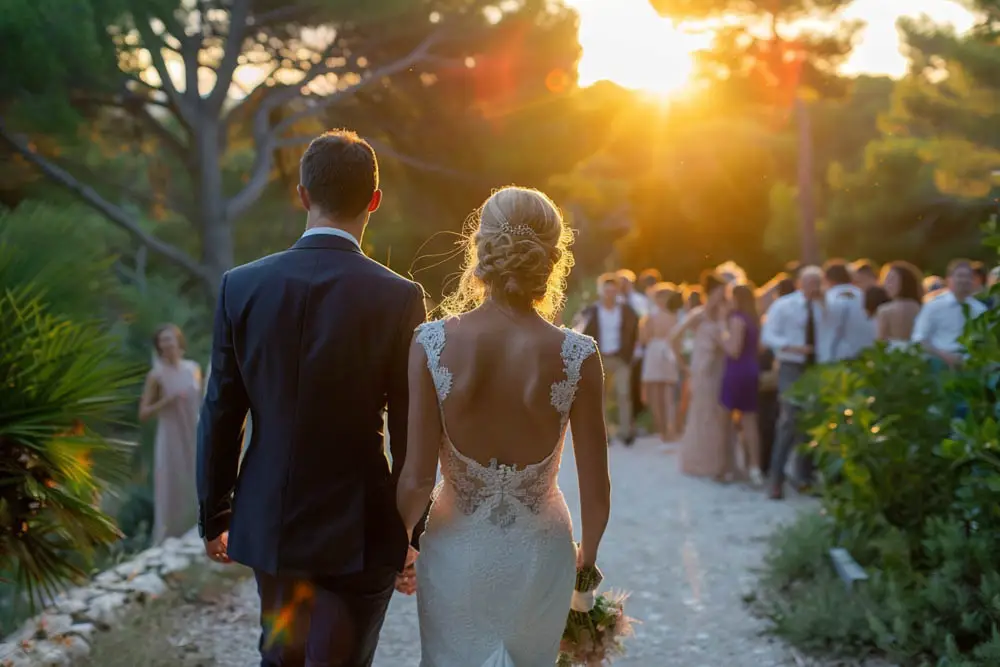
(217, 549)
(406, 581)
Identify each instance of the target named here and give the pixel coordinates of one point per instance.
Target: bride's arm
(416, 482)
(590, 443)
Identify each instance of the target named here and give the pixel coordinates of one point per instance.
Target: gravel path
(686, 549)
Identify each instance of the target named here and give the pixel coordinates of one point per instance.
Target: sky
(619, 34)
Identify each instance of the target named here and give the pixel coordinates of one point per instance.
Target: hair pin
(516, 230)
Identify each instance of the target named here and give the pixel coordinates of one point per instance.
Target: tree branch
(265, 136)
(154, 46)
(419, 54)
(112, 212)
(238, 15)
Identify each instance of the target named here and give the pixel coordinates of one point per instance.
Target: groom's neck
(354, 227)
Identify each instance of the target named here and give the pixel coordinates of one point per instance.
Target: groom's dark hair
(340, 172)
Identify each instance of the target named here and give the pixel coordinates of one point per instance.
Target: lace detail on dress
(431, 336)
(504, 492)
(575, 349)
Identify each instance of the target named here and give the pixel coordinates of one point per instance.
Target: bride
(492, 391)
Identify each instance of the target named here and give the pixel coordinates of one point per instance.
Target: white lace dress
(497, 562)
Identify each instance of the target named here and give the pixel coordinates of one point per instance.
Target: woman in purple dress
(741, 377)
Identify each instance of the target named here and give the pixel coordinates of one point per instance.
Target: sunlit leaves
(59, 381)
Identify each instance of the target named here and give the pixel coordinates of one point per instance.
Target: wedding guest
(636, 299)
(940, 324)
(660, 371)
(791, 331)
(981, 278)
(875, 297)
(693, 298)
(172, 394)
(692, 302)
(731, 273)
(864, 274)
(894, 320)
(741, 377)
(615, 327)
(768, 292)
(934, 286)
(628, 293)
(706, 449)
(647, 280)
(980, 274)
(848, 331)
(768, 405)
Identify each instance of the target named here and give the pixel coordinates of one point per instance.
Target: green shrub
(61, 386)
(909, 467)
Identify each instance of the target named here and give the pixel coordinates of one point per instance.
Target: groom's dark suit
(313, 342)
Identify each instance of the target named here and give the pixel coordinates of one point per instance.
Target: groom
(313, 341)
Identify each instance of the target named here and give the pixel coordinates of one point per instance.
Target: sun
(627, 42)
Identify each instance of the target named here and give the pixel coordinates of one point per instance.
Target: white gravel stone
(172, 563)
(149, 584)
(50, 654)
(71, 606)
(106, 609)
(54, 625)
(84, 630)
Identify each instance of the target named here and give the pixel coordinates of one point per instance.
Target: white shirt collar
(331, 231)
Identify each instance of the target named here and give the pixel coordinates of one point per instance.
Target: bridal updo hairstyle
(516, 249)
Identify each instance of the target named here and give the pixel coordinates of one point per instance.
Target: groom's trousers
(322, 621)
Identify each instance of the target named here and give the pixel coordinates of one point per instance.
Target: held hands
(406, 581)
(218, 549)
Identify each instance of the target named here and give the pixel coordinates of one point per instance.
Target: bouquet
(596, 636)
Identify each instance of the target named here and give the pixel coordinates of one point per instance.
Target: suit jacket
(313, 342)
(629, 329)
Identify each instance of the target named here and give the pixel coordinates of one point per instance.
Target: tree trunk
(217, 254)
(807, 207)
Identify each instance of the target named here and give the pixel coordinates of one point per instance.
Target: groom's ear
(304, 196)
(375, 202)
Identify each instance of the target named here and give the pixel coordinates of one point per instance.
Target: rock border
(62, 634)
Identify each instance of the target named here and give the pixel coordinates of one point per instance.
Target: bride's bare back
(502, 364)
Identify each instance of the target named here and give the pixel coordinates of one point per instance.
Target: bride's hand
(406, 581)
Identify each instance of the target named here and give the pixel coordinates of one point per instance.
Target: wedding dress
(497, 563)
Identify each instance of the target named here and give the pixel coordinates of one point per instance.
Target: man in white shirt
(791, 330)
(630, 296)
(615, 327)
(942, 320)
(847, 331)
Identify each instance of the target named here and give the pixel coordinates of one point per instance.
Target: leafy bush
(85, 269)
(61, 385)
(911, 491)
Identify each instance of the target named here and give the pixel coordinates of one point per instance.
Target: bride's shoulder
(577, 343)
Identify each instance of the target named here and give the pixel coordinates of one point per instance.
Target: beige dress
(705, 446)
(175, 493)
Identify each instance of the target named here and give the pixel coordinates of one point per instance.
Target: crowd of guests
(712, 363)
(709, 362)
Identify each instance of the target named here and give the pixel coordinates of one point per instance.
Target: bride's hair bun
(518, 247)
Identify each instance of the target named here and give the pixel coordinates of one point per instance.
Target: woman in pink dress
(660, 372)
(172, 394)
(706, 448)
